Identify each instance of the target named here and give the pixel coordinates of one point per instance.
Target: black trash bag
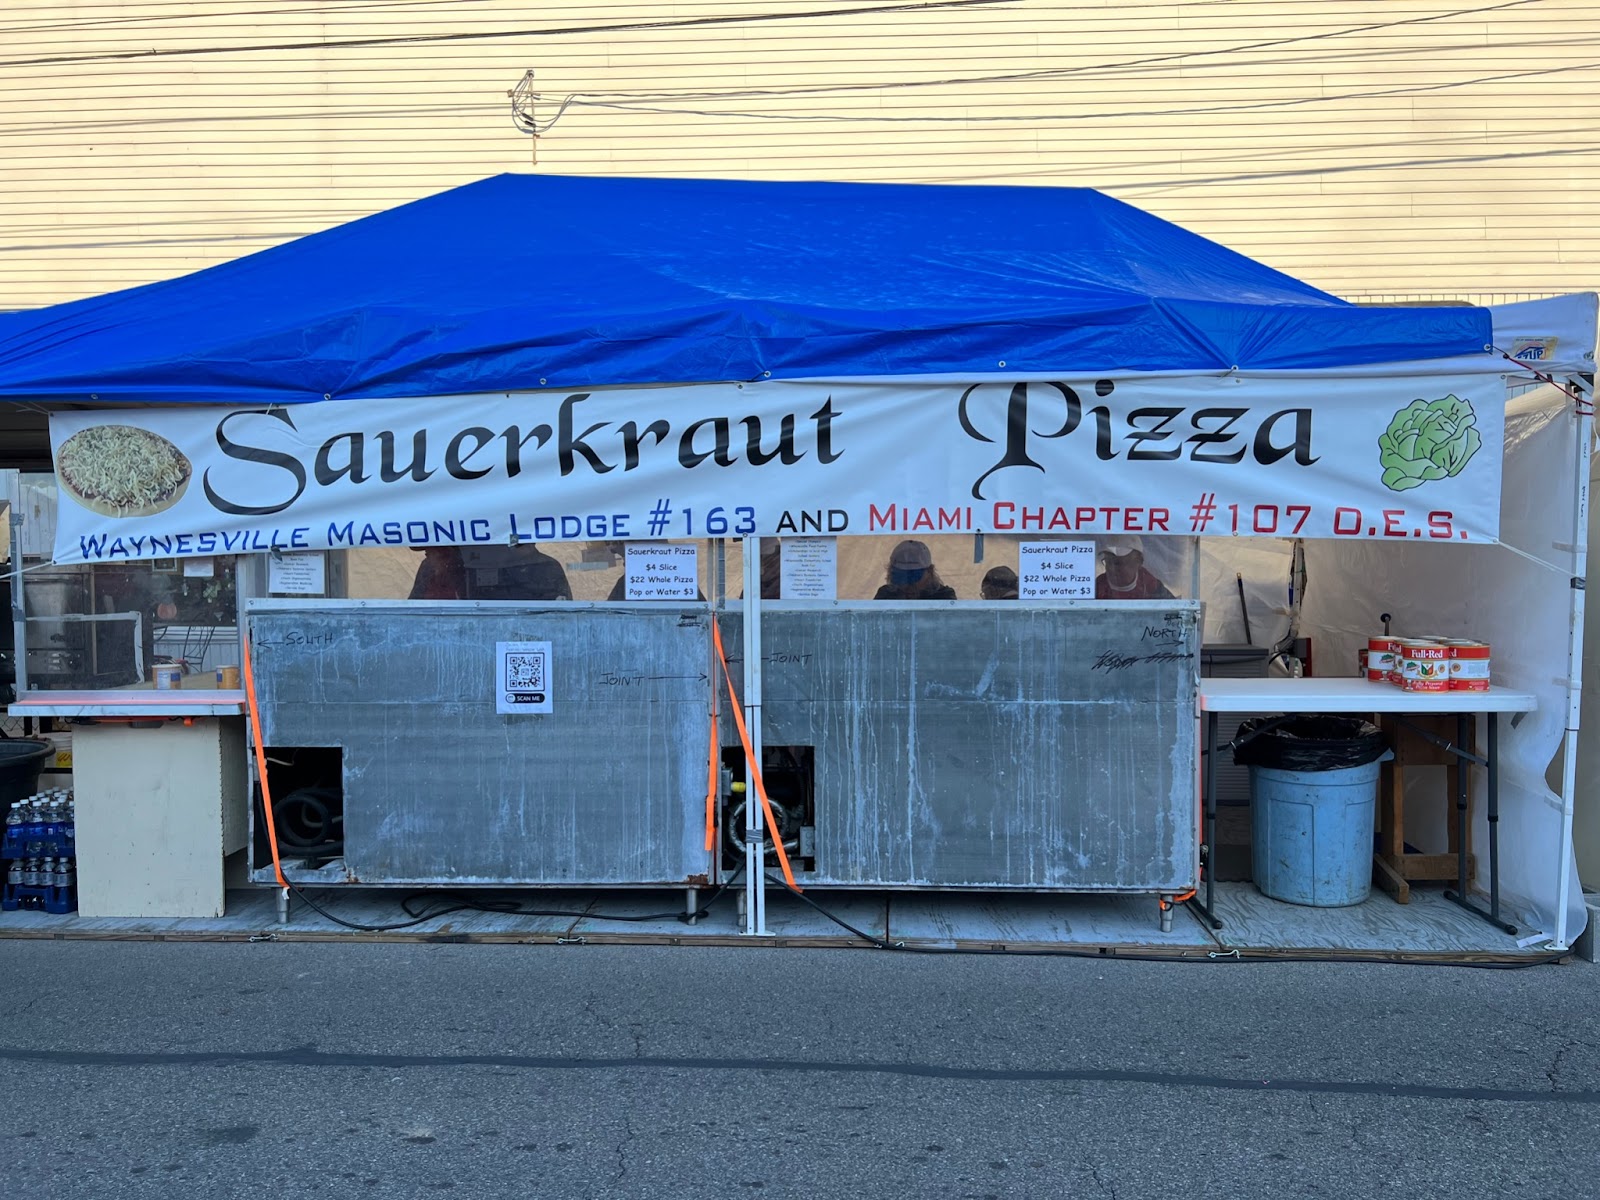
(1308, 743)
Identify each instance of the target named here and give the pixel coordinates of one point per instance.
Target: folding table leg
(1491, 771)
(1463, 778)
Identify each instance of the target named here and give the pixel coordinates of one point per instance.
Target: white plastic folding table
(1340, 695)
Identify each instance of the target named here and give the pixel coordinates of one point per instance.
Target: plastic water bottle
(66, 875)
(33, 830)
(30, 873)
(14, 873)
(69, 826)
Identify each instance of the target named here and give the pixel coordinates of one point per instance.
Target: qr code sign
(522, 673)
(525, 672)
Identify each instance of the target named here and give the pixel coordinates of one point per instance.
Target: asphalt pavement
(150, 1069)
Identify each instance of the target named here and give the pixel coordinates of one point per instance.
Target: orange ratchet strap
(711, 781)
(750, 758)
(261, 752)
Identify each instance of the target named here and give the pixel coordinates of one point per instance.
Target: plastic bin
(1313, 793)
(21, 760)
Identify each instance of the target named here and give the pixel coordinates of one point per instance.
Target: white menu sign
(297, 574)
(810, 568)
(1056, 571)
(662, 571)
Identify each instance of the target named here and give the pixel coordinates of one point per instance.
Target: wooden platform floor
(1428, 927)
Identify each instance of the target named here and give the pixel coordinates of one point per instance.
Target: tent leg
(1580, 566)
(1208, 850)
(755, 845)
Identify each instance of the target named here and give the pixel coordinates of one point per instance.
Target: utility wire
(1109, 188)
(553, 31)
(1090, 176)
(356, 7)
(1097, 71)
(1143, 187)
(360, 7)
(1057, 118)
(1249, 176)
(1062, 72)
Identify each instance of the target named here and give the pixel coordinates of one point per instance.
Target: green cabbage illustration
(1428, 439)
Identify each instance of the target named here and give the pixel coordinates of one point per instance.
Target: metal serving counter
(990, 745)
(949, 745)
(605, 789)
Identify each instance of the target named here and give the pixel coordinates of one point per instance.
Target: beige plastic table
(159, 780)
(1290, 697)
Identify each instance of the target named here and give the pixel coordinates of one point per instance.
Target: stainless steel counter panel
(606, 789)
(991, 746)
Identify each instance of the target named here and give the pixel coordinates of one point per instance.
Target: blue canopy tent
(523, 281)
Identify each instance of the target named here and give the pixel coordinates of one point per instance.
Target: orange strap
(750, 758)
(261, 752)
(713, 772)
(711, 782)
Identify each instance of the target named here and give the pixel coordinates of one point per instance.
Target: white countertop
(133, 703)
(1349, 695)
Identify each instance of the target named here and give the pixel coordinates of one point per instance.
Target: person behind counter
(441, 575)
(771, 569)
(1000, 583)
(911, 575)
(1125, 576)
(521, 572)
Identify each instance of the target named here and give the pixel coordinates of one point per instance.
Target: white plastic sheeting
(1517, 596)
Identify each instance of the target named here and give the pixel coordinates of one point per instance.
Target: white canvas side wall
(1515, 596)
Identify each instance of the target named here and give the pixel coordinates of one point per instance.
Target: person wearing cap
(911, 575)
(1000, 583)
(1125, 576)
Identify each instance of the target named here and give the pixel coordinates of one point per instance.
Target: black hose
(305, 822)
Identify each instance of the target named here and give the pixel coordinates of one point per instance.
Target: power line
(82, 23)
(1050, 72)
(102, 125)
(1255, 176)
(435, 38)
(1108, 70)
(328, 218)
(361, 6)
(1054, 118)
(1166, 185)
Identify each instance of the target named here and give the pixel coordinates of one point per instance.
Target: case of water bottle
(39, 854)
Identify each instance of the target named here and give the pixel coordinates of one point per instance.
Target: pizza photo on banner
(1414, 457)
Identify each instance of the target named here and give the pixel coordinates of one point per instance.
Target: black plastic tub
(21, 760)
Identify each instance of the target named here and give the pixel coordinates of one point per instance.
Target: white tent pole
(755, 847)
(1580, 556)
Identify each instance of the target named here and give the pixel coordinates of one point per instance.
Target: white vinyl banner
(1311, 456)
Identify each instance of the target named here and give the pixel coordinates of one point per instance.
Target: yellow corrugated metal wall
(1379, 150)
